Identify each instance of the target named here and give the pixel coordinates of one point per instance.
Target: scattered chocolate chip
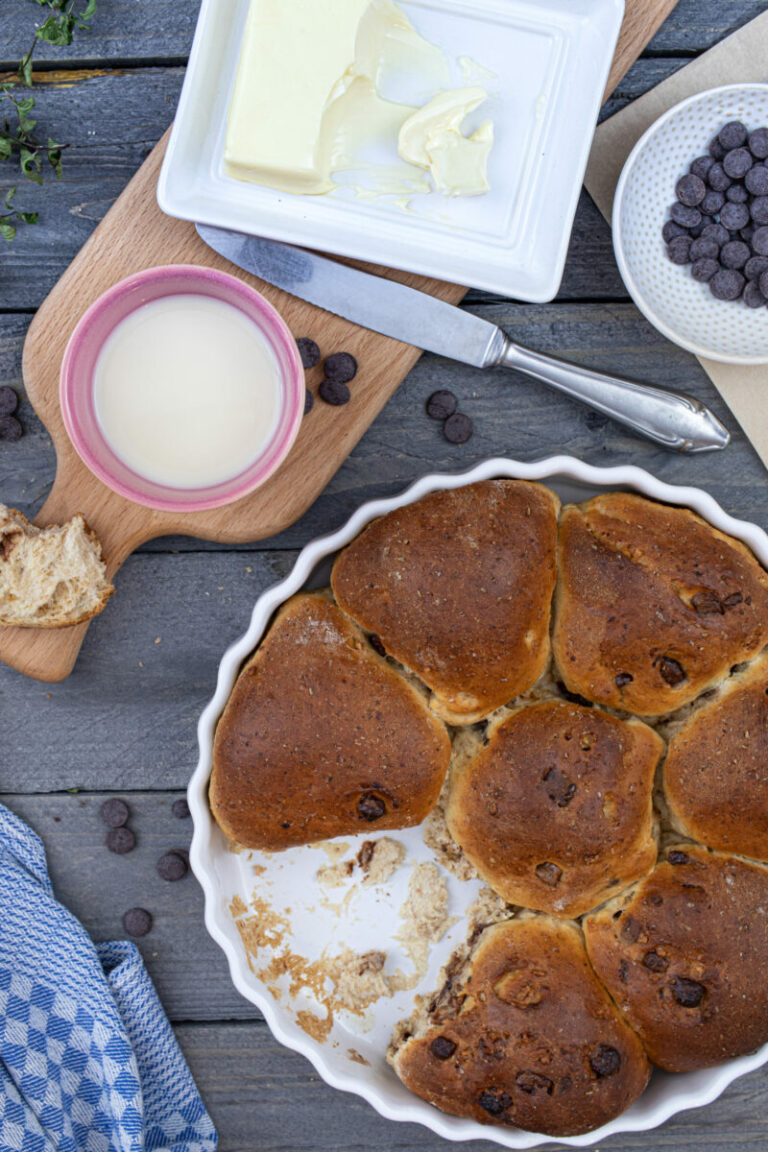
(172, 866)
(560, 788)
(671, 671)
(678, 857)
(687, 217)
(755, 266)
(732, 135)
(716, 149)
(704, 248)
(760, 241)
(669, 231)
(758, 143)
(309, 401)
(9, 401)
(712, 203)
(10, 428)
(137, 921)
(533, 1082)
(443, 404)
(704, 270)
(687, 993)
(458, 428)
(494, 1101)
(120, 840)
(442, 1048)
(737, 163)
(114, 812)
(334, 392)
(549, 874)
(737, 194)
(734, 254)
(679, 249)
(758, 210)
(691, 189)
(655, 963)
(180, 809)
(756, 180)
(707, 604)
(573, 697)
(734, 216)
(701, 166)
(376, 644)
(370, 807)
(309, 351)
(752, 296)
(717, 178)
(623, 679)
(727, 284)
(605, 1061)
(341, 367)
(718, 233)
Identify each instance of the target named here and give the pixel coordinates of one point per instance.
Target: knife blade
(671, 419)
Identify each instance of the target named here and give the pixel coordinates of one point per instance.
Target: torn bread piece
(50, 577)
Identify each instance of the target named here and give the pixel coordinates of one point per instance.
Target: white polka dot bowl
(683, 309)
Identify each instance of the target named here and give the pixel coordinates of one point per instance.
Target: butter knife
(671, 419)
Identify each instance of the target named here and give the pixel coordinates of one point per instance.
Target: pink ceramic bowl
(77, 394)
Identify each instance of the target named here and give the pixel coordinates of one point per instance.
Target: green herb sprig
(18, 143)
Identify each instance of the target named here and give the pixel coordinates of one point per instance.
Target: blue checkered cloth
(88, 1061)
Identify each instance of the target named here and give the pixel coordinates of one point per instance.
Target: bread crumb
(436, 836)
(358, 980)
(355, 1056)
(425, 910)
(487, 908)
(380, 859)
(334, 875)
(334, 849)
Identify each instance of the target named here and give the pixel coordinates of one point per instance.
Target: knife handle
(672, 419)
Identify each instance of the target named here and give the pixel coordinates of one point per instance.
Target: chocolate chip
(9, 401)
(737, 163)
(716, 149)
(442, 1048)
(655, 963)
(704, 270)
(755, 266)
(718, 233)
(718, 179)
(734, 216)
(670, 230)
(732, 600)
(737, 194)
(752, 296)
(114, 812)
(180, 809)
(560, 789)
(441, 405)
(623, 971)
(341, 367)
(712, 203)
(370, 807)
(120, 840)
(701, 166)
(172, 866)
(687, 217)
(334, 392)
(732, 135)
(707, 604)
(623, 679)
(309, 401)
(573, 697)
(677, 857)
(691, 190)
(458, 428)
(10, 429)
(376, 644)
(679, 249)
(758, 143)
(760, 241)
(734, 254)
(759, 210)
(137, 921)
(605, 1061)
(309, 351)
(727, 284)
(630, 929)
(704, 248)
(494, 1101)
(687, 993)
(549, 874)
(671, 671)
(756, 180)
(533, 1082)
(763, 281)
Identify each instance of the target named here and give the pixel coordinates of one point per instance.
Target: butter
(432, 138)
(293, 57)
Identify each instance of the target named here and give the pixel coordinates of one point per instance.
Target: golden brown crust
(321, 737)
(527, 1037)
(684, 955)
(716, 769)
(555, 811)
(653, 605)
(458, 586)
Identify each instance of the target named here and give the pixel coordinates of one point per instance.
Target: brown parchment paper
(741, 58)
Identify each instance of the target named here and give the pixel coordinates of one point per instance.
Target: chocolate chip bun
(716, 769)
(553, 806)
(321, 737)
(684, 955)
(458, 588)
(523, 1034)
(653, 605)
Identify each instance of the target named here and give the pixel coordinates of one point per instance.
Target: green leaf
(9, 196)
(25, 70)
(23, 108)
(6, 147)
(31, 165)
(54, 157)
(28, 217)
(57, 30)
(7, 231)
(87, 14)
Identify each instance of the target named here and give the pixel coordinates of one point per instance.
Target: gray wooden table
(124, 722)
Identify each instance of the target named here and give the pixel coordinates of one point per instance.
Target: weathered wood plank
(111, 121)
(263, 1096)
(135, 30)
(189, 970)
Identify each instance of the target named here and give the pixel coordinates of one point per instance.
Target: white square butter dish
(550, 61)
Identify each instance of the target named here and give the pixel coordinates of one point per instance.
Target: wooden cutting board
(135, 235)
